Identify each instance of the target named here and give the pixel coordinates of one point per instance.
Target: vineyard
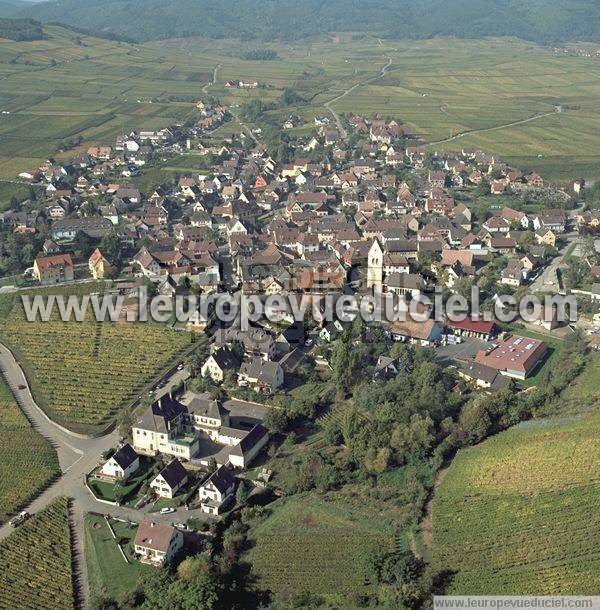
(27, 460)
(312, 545)
(518, 513)
(82, 372)
(35, 563)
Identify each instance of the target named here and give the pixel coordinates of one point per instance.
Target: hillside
(21, 29)
(10, 7)
(515, 515)
(539, 20)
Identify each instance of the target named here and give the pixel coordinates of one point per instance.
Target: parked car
(180, 367)
(167, 510)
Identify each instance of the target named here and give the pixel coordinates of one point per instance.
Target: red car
(21, 387)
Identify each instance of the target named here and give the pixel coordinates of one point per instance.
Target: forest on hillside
(544, 21)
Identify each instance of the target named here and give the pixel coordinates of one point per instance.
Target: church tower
(375, 268)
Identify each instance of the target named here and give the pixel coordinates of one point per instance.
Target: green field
(35, 563)
(27, 460)
(316, 545)
(82, 372)
(518, 513)
(71, 85)
(108, 572)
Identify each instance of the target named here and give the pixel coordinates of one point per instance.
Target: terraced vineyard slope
(81, 372)
(518, 513)
(27, 460)
(35, 563)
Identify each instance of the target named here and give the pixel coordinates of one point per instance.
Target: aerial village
(358, 208)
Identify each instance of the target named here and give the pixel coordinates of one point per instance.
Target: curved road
(77, 456)
(214, 79)
(335, 115)
(495, 128)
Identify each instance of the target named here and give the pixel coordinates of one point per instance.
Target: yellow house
(546, 237)
(99, 266)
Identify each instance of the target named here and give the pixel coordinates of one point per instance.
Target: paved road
(547, 281)
(77, 456)
(382, 73)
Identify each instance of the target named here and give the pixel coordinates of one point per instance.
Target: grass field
(35, 563)
(82, 372)
(517, 514)
(27, 460)
(108, 572)
(72, 85)
(309, 544)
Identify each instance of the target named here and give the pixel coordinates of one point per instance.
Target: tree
(124, 422)
(276, 420)
(110, 247)
(242, 493)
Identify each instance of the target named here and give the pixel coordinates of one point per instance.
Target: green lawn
(105, 490)
(109, 574)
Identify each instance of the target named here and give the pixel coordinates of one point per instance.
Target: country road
(495, 128)
(372, 79)
(214, 79)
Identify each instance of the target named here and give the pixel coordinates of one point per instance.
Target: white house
(122, 464)
(216, 491)
(170, 479)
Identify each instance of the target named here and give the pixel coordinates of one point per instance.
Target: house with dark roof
(242, 454)
(222, 360)
(263, 376)
(216, 492)
(170, 480)
(122, 464)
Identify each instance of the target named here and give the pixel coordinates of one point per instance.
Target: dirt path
(495, 128)
(427, 523)
(214, 79)
(81, 586)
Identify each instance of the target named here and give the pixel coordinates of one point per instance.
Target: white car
(180, 367)
(167, 511)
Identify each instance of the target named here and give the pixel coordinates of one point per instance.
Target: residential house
(53, 269)
(122, 464)
(99, 266)
(170, 480)
(157, 544)
(263, 376)
(216, 492)
(222, 360)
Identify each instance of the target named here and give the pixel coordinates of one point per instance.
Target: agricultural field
(27, 460)
(516, 514)
(82, 372)
(70, 85)
(110, 575)
(35, 563)
(317, 545)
